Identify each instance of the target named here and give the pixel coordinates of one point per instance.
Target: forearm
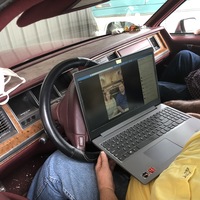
(192, 106)
(104, 178)
(107, 194)
(120, 109)
(197, 115)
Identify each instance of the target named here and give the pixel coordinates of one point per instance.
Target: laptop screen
(113, 92)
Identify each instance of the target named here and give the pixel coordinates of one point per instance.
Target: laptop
(120, 102)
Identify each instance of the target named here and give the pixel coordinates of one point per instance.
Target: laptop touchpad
(163, 151)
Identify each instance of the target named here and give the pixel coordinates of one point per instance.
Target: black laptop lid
(136, 73)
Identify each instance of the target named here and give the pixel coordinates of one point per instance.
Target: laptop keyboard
(134, 138)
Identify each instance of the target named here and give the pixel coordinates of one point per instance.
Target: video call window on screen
(113, 89)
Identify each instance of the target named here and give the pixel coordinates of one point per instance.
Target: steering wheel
(66, 113)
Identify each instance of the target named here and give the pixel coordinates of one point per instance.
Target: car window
(186, 19)
(67, 29)
(124, 11)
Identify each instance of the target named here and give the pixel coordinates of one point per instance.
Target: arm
(114, 107)
(120, 109)
(105, 178)
(195, 115)
(192, 106)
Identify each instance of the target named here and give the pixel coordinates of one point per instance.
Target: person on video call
(111, 105)
(121, 99)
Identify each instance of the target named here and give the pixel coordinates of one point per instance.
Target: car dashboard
(21, 130)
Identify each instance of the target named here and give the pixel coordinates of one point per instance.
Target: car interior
(43, 113)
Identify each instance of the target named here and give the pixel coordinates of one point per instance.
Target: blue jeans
(172, 81)
(64, 178)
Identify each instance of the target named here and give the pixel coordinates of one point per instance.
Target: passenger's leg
(182, 64)
(173, 91)
(179, 181)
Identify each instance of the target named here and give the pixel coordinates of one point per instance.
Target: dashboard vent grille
(112, 56)
(4, 125)
(106, 58)
(6, 128)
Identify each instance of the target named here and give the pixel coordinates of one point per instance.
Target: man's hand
(105, 178)
(185, 106)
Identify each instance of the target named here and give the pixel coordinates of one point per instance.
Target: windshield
(78, 26)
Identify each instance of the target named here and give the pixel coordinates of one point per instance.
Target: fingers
(112, 164)
(102, 161)
(195, 115)
(104, 158)
(169, 103)
(98, 164)
(103, 173)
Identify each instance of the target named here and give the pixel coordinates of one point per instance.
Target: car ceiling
(31, 11)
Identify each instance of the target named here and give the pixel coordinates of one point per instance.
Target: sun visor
(11, 9)
(31, 11)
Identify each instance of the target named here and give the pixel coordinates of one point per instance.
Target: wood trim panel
(21, 136)
(163, 46)
(161, 53)
(133, 48)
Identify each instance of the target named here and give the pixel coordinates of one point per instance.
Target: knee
(172, 91)
(184, 54)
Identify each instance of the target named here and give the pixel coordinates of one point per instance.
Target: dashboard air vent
(106, 58)
(112, 56)
(6, 127)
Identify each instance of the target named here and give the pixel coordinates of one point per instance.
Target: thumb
(102, 160)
